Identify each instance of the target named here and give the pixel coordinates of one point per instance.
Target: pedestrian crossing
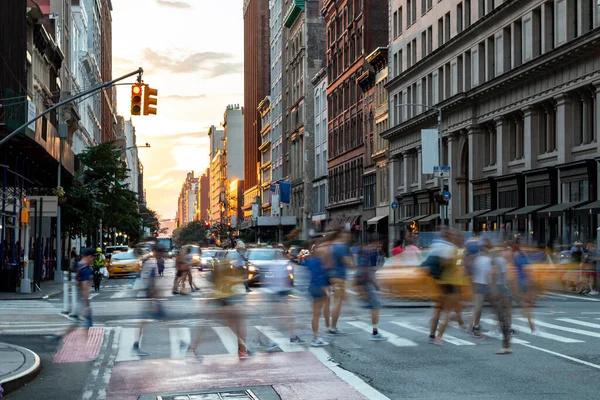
(163, 341)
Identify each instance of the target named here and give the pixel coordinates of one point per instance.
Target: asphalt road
(562, 362)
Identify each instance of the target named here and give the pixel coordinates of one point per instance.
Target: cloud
(212, 64)
(173, 4)
(184, 97)
(164, 183)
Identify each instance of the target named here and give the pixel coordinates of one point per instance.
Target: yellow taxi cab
(404, 277)
(124, 263)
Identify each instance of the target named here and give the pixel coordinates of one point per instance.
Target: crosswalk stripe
(447, 338)
(544, 335)
(392, 338)
(563, 328)
(228, 338)
(577, 322)
(119, 295)
(126, 340)
(177, 336)
(568, 296)
(275, 336)
(93, 295)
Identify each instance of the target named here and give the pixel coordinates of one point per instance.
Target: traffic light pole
(104, 85)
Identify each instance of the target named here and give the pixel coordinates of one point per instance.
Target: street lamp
(439, 120)
(147, 145)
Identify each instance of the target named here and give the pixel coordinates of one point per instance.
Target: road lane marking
(119, 295)
(554, 353)
(447, 338)
(88, 391)
(177, 336)
(544, 335)
(347, 376)
(563, 328)
(275, 336)
(392, 338)
(228, 338)
(577, 322)
(126, 340)
(568, 296)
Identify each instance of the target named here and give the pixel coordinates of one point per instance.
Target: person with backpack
(368, 262)
(447, 278)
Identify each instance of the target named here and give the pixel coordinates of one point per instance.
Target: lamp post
(439, 124)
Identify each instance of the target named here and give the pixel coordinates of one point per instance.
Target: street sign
(394, 205)
(446, 195)
(441, 171)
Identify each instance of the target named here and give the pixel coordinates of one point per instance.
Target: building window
(516, 138)
(408, 12)
(409, 59)
(508, 199)
(481, 8)
(482, 201)
(400, 21)
(489, 143)
(538, 196)
(575, 191)
(423, 44)
(429, 39)
(467, 13)
(548, 128)
(459, 17)
(447, 27)
(440, 32)
(395, 25)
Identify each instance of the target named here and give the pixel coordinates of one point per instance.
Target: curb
(40, 297)
(22, 378)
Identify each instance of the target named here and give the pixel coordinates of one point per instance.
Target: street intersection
(561, 361)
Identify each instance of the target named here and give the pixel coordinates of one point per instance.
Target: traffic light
(136, 99)
(150, 100)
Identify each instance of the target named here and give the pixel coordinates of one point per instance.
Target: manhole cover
(248, 393)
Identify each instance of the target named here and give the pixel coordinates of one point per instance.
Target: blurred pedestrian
(369, 261)
(318, 287)
(524, 283)
(481, 270)
(447, 278)
(182, 266)
(83, 278)
(341, 261)
(397, 248)
(499, 297)
(99, 264)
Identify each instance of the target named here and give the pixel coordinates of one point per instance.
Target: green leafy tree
(193, 232)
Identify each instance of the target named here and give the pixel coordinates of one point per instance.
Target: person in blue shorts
(318, 288)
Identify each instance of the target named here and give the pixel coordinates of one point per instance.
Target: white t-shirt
(502, 265)
(482, 268)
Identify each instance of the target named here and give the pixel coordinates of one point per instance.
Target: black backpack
(434, 265)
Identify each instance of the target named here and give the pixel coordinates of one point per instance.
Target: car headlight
(252, 268)
(290, 268)
(196, 258)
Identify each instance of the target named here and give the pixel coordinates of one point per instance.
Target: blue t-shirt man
(339, 252)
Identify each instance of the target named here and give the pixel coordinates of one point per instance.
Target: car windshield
(265, 254)
(124, 256)
(194, 249)
(209, 253)
(110, 250)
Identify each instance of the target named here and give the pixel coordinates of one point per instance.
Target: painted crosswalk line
(563, 328)
(447, 338)
(392, 338)
(544, 335)
(570, 296)
(228, 338)
(277, 337)
(126, 340)
(577, 322)
(179, 339)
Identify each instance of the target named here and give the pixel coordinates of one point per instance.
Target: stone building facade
(517, 84)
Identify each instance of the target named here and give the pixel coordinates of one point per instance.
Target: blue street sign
(394, 205)
(446, 195)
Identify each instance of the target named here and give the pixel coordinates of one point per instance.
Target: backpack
(434, 265)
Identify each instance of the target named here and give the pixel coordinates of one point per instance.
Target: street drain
(252, 393)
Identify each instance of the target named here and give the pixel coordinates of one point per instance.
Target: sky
(192, 53)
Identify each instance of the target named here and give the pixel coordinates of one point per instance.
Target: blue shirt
(339, 252)
(520, 262)
(84, 272)
(368, 257)
(318, 277)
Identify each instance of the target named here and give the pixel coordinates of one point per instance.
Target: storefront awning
(334, 224)
(375, 220)
(411, 219)
(495, 213)
(523, 212)
(469, 216)
(429, 218)
(557, 209)
(591, 208)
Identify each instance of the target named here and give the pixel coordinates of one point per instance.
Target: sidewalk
(49, 289)
(18, 366)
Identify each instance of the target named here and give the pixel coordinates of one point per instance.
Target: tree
(193, 232)
(150, 219)
(99, 192)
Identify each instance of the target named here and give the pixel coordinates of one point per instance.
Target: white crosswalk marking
(544, 335)
(577, 322)
(228, 338)
(563, 328)
(93, 295)
(119, 295)
(392, 338)
(569, 296)
(179, 337)
(126, 340)
(447, 338)
(279, 338)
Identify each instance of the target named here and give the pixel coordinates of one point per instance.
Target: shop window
(575, 191)
(482, 201)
